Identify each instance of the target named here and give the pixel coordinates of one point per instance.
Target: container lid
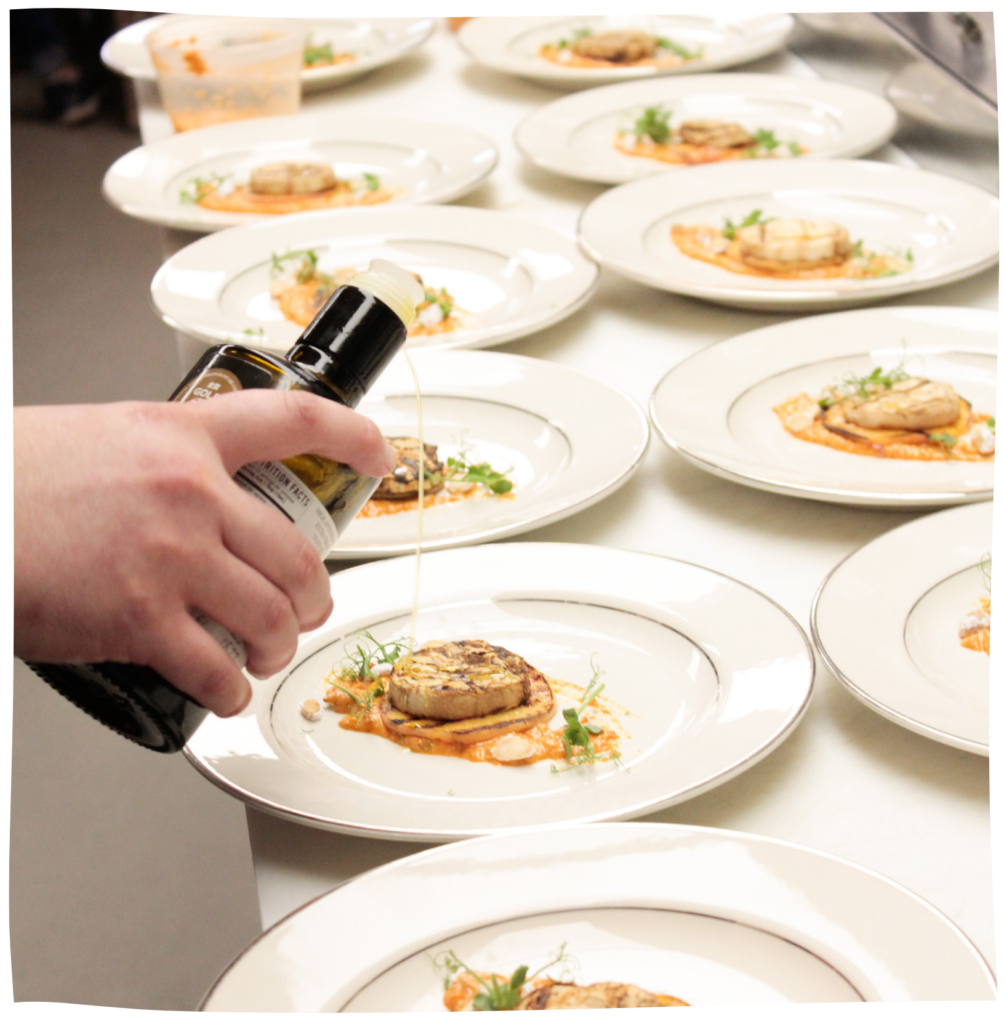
(393, 286)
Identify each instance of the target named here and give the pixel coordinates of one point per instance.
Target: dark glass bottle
(339, 356)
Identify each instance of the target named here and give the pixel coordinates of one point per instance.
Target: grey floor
(131, 881)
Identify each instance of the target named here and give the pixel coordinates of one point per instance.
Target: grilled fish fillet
(291, 179)
(402, 483)
(605, 995)
(912, 404)
(459, 680)
(722, 134)
(803, 242)
(622, 45)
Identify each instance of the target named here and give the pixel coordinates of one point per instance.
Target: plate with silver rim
(369, 44)
(504, 277)
(916, 230)
(887, 623)
(716, 408)
(415, 161)
(687, 43)
(562, 438)
(595, 135)
(710, 916)
(703, 676)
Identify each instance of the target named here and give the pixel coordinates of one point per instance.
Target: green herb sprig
(322, 54)
(678, 49)
(986, 564)
(372, 182)
(766, 139)
(497, 992)
(356, 664)
(992, 424)
(464, 471)
(577, 736)
(948, 440)
(756, 217)
(654, 122)
(306, 272)
(878, 379)
(441, 299)
(198, 188)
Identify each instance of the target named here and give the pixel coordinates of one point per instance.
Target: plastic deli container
(213, 70)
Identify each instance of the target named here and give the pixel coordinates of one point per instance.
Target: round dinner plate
(375, 42)
(430, 163)
(886, 622)
(513, 44)
(569, 440)
(510, 276)
(948, 227)
(574, 136)
(712, 674)
(710, 916)
(716, 408)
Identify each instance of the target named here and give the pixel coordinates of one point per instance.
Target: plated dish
(205, 179)
(682, 652)
(337, 49)
(711, 916)
(770, 408)
(891, 622)
(633, 130)
(886, 231)
(489, 277)
(593, 50)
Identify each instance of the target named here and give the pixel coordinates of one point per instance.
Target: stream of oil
(421, 503)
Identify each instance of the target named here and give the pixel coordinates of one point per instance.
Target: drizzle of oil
(421, 501)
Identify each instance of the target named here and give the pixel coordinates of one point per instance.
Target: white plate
(710, 916)
(715, 674)
(512, 44)
(376, 42)
(716, 408)
(951, 227)
(433, 163)
(570, 439)
(512, 276)
(574, 135)
(886, 622)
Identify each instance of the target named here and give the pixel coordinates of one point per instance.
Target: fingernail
(244, 703)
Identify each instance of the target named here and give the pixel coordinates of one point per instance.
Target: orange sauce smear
(388, 507)
(687, 240)
(243, 200)
(546, 741)
(680, 152)
(574, 60)
(882, 446)
(980, 639)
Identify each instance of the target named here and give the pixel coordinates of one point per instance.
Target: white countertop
(847, 781)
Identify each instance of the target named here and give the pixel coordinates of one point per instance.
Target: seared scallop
(912, 404)
(402, 483)
(619, 47)
(721, 134)
(459, 680)
(793, 241)
(292, 179)
(605, 995)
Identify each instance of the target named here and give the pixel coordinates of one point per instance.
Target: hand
(126, 517)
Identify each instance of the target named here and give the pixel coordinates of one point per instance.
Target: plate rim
(839, 496)
(876, 140)
(793, 718)
(311, 79)
(818, 299)
(887, 711)
(156, 211)
(673, 832)
(344, 229)
(585, 77)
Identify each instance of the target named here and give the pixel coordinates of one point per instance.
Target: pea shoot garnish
(441, 299)
(372, 181)
(322, 54)
(946, 439)
(654, 122)
(198, 188)
(766, 139)
(877, 380)
(577, 736)
(308, 261)
(678, 49)
(496, 992)
(358, 664)
(464, 470)
(756, 217)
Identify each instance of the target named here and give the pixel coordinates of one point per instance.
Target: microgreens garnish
(878, 379)
(322, 54)
(496, 991)
(679, 50)
(756, 217)
(766, 139)
(372, 181)
(307, 270)
(357, 664)
(578, 734)
(795, 149)
(946, 439)
(654, 122)
(992, 424)
(465, 471)
(441, 299)
(201, 187)
(985, 567)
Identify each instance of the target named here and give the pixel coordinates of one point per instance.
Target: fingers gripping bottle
(339, 356)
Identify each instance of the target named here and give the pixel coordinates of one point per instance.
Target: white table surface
(847, 781)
